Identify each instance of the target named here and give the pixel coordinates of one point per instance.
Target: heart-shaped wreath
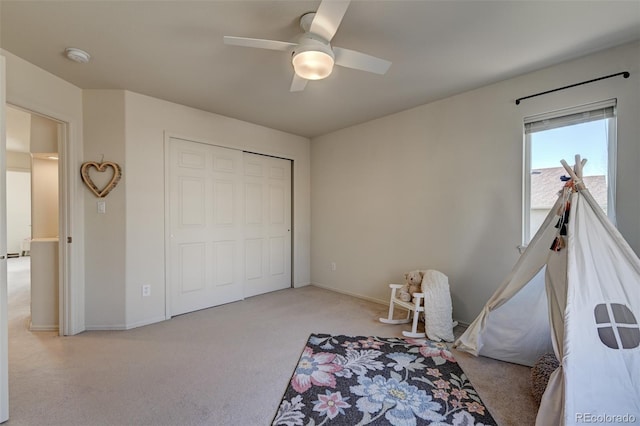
(101, 167)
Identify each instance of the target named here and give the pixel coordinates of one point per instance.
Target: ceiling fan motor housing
(306, 20)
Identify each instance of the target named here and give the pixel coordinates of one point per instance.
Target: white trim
(124, 327)
(145, 322)
(526, 190)
(4, 320)
(347, 293)
(244, 148)
(612, 168)
(43, 327)
(167, 228)
(63, 230)
(106, 328)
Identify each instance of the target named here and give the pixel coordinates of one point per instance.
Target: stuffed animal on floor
(412, 284)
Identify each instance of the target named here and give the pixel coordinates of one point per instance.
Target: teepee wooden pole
(577, 174)
(568, 169)
(578, 166)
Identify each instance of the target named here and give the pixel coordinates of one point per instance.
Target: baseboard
(374, 300)
(462, 323)
(105, 328)
(43, 327)
(146, 322)
(359, 296)
(126, 326)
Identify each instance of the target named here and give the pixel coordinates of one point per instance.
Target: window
(589, 131)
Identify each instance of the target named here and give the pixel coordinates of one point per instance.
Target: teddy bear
(412, 284)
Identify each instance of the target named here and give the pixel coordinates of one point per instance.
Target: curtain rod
(625, 74)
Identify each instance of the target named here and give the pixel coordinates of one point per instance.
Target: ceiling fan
(312, 56)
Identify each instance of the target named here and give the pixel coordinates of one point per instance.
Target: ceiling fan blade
(298, 83)
(258, 43)
(328, 18)
(360, 61)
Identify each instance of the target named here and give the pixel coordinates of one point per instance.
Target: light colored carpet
(227, 365)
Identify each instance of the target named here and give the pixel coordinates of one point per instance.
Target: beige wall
(148, 122)
(132, 237)
(44, 198)
(104, 139)
(437, 186)
(44, 135)
(44, 177)
(125, 246)
(440, 186)
(18, 209)
(18, 161)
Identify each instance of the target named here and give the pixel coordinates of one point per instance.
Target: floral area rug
(346, 380)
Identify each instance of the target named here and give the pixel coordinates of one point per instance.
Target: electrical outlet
(146, 290)
(333, 266)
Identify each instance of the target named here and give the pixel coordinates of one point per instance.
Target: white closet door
(205, 259)
(267, 224)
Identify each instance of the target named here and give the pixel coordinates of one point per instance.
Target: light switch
(102, 207)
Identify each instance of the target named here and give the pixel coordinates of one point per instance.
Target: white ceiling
(174, 50)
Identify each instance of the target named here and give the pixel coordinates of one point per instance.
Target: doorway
(32, 147)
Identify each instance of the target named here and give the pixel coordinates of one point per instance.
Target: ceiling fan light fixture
(312, 64)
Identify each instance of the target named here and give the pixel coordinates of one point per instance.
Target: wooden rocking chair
(434, 302)
(415, 307)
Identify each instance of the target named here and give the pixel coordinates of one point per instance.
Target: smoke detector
(77, 55)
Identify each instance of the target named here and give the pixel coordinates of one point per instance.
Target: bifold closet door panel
(205, 257)
(267, 224)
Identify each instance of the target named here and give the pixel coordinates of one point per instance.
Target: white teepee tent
(574, 291)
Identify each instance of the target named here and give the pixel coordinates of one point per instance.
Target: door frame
(41, 93)
(64, 250)
(4, 321)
